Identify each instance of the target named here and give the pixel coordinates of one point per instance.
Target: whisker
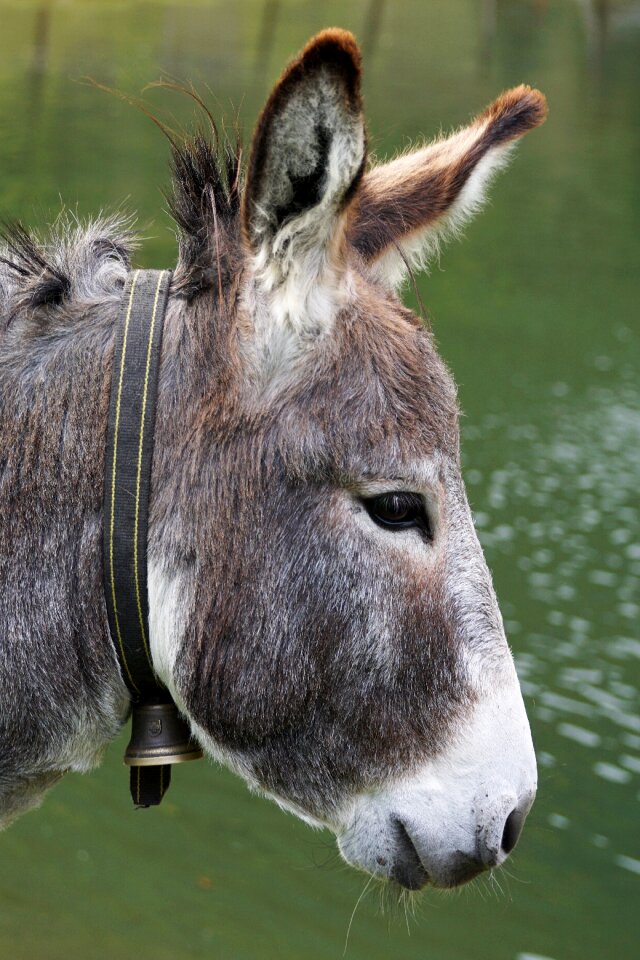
(346, 939)
(495, 883)
(406, 914)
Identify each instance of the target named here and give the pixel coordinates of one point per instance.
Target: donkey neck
(61, 695)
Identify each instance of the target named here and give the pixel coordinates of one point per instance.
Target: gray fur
(320, 655)
(61, 694)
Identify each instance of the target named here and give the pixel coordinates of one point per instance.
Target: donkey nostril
(512, 830)
(407, 869)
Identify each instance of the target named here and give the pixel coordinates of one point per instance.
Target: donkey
(320, 608)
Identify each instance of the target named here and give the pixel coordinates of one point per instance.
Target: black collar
(160, 736)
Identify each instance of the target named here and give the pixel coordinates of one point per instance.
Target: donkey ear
(406, 207)
(307, 156)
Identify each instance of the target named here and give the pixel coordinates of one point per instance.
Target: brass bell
(159, 736)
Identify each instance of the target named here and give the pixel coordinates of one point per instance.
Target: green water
(536, 313)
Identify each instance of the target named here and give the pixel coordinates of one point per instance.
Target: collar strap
(160, 734)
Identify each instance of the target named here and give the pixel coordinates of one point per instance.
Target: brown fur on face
(280, 662)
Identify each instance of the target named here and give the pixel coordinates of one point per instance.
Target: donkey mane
(88, 261)
(205, 204)
(76, 262)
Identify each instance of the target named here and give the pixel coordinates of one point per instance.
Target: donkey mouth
(408, 869)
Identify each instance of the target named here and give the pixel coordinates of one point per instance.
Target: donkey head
(320, 605)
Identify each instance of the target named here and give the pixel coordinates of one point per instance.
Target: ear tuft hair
(332, 48)
(514, 113)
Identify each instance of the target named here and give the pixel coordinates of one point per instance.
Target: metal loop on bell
(159, 736)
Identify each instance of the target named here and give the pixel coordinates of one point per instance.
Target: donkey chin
(456, 816)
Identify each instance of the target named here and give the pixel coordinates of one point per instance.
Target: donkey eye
(398, 511)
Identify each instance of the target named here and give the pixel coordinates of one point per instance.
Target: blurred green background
(536, 312)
